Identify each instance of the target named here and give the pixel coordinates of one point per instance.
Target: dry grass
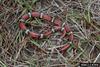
(83, 16)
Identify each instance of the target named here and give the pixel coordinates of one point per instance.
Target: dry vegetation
(83, 16)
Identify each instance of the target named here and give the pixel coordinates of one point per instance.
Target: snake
(58, 26)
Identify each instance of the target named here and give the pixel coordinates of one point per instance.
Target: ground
(82, 16)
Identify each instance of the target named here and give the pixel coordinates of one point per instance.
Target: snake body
(57, 26)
